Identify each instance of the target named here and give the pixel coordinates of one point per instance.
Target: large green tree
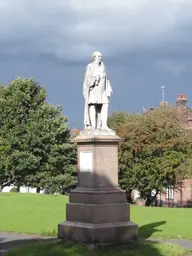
(154, 152)
(35, 146)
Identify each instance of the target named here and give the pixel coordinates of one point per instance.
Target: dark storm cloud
(145, 44)
(71, 30)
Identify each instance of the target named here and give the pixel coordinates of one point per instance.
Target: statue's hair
(94, 54)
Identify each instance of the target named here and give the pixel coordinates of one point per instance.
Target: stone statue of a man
(97, 91)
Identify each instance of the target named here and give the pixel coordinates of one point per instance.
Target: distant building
(22, 189)
(177, 197)
(183, 196)
(163, 104)
(75, 132)
(186, 112)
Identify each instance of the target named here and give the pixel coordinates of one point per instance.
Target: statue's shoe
(106, 128)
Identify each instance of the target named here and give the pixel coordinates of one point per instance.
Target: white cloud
(72, 29)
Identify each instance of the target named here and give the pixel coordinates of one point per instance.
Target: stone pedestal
(97, 211)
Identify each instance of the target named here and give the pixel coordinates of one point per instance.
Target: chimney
(181, 101)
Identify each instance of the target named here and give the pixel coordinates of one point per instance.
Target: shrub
(14, 189)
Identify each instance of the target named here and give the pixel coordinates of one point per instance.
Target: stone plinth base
(117, 232)
(97, 211)
(98, 217)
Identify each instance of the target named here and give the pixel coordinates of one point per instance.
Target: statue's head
(97, 57)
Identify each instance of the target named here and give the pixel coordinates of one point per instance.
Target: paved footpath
(10, 240)
(187, 244)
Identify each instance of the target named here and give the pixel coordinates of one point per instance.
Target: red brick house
(183, 196)
(177, 197)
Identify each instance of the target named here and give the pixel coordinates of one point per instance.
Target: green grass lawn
(40, 214)
(59, 249)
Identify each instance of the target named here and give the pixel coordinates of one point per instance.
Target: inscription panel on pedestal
(85, 161)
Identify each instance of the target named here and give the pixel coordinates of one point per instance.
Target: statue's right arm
(86, 83)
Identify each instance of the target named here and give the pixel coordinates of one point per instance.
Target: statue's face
(98, 57)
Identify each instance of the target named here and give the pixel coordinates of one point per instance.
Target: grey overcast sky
(145, 44)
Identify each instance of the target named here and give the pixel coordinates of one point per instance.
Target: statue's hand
(91, 87)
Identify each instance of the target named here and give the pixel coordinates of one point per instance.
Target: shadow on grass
(6, 243)
(147, 230)
(64, 249)
(45, 246)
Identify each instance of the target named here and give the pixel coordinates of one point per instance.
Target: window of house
(170, 193)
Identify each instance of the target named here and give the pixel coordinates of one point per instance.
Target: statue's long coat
(95, 94)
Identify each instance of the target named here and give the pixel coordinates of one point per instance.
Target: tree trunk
(148, 201)
(1, 188)
(18, 188)
(129, 196)
(38, 190)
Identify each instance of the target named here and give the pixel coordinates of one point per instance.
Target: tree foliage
(35, 147)
(154, 152)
